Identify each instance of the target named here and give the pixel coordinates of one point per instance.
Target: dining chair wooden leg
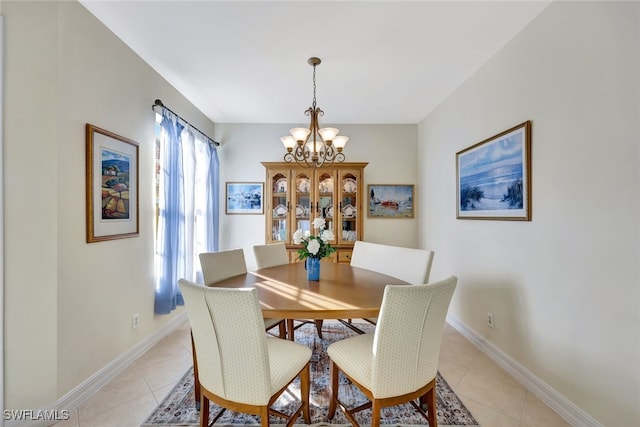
(319, 327)
(305, 387)
(204, 409)
(290, 330)
(264, 416)
(431, 407)
(333, 403)
(196, 381)
(375, 413)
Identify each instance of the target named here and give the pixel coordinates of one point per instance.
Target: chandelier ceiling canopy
(315, 146)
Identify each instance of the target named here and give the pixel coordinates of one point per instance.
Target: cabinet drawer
(344, 257)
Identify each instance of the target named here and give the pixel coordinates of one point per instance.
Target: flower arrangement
(314, 246)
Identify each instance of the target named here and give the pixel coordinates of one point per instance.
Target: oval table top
(343, 292)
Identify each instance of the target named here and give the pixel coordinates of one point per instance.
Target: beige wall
(564, 288)
(389, 149)
(68, 304)
(30, 145)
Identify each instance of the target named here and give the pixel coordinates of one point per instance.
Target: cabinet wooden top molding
(343, 165)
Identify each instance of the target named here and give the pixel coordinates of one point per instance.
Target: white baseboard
(556, 401)
(74, 398)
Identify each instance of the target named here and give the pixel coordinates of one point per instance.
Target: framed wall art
(494, 177)
(390, 201)
(111, 185)
(244, 198)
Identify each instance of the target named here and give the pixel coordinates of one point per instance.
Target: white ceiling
(382, 62)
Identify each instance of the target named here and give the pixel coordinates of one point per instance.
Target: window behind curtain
(186, 206)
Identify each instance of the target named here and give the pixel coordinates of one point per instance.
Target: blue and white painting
(244, 198)
(492, 177)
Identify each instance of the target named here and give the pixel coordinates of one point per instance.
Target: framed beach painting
(111, 185)
(244, 198)
(494, 177)
(390, 201)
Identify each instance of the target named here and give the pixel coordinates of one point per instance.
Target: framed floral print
(111, 185)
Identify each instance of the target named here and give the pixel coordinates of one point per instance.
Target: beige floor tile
(451, 372)
(483, 363)
(488, 417)
(127, 386)
(163, 392)
(456, 349)
(166, 371)
(71, 422)
(536, 413)
(130, 414)
(168, 348)
(497, 395)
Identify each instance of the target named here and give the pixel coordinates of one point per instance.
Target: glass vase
(313, 268)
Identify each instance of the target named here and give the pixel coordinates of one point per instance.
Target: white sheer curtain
(188, 200)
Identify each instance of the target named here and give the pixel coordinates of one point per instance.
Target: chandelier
(314, 147)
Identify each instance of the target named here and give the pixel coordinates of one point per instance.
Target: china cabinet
(295, 196)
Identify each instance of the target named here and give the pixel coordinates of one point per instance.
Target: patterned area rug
(178, 408)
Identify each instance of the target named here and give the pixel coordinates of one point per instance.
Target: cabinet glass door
(349, 205)
(279, 206)
(302, 201)
(326, 199)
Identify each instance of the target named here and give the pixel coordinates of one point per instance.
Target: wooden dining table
(343, 292)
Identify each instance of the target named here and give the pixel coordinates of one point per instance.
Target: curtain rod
(159, 103)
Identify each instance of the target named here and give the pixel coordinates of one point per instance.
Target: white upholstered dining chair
(274, 254)
(398, 363)
(270, 255)
(240, 368)
(217, 266)
(407, 264)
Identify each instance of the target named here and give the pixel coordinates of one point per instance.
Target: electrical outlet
(135, 321)
(490, 320)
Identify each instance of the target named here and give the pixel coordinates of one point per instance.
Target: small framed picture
(390, 201)
(244, 198)
(111, 185)
(494, 177)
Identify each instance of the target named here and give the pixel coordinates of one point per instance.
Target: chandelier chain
(314, 88)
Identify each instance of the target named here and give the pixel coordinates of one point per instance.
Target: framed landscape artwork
(111, 185)
(390, 201)
(244, 198)
(494, 177)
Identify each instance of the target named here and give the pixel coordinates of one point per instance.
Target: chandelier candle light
(314, 147)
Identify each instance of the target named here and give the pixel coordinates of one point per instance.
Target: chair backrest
(271, 255)
(217, 266)
(230, 343)
(407, 338)
(411, 265)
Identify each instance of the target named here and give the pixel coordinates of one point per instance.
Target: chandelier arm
(330, 152)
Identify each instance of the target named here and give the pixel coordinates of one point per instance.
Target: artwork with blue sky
(491, 174)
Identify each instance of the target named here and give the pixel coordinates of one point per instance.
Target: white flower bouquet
(314, 246)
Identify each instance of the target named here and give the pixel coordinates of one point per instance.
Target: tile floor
(494, 398)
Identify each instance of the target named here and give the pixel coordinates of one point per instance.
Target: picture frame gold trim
(112, 201)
